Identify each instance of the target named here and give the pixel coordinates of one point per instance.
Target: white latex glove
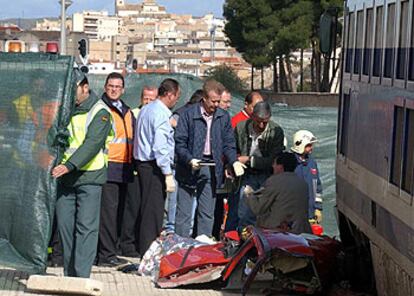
(248, 191)
(239, 168)
(169, 183)
(195, 164)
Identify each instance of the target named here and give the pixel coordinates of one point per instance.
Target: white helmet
(301, 139)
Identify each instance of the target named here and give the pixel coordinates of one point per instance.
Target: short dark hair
(288, 160)
(197, 96)
(249, 98)
(83, 82)
(168, 85)
(115, 75)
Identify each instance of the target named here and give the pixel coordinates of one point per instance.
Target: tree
(321, 64)
(267, 31)
(292, 33)
(227, 77)
(248, 31)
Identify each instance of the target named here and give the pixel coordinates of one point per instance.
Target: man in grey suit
(282, 202)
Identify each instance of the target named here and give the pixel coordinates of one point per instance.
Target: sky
(48, 8)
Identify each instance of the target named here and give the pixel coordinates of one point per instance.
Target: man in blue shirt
(154, 153)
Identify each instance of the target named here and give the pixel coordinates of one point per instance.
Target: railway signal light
(83, 48)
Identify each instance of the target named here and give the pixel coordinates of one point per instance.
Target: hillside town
(143, 37)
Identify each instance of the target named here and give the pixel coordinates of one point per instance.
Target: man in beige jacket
(282, 203)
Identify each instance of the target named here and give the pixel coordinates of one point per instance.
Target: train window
(350, 42)
(376, 71)
(343, 149)
(396, 147)
(402, 41)
(402, 165)
(411, 64)
(408, 163)
(389, 42)
(368, 41)
(359, 42)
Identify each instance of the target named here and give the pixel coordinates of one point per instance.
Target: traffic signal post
(83, 54)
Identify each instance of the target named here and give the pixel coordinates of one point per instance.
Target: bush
(228, 77)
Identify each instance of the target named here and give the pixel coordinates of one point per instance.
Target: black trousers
(152, 188)
(112, 208)
(218, 216)
(131, 220)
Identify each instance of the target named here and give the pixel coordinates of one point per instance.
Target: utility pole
(64, 5)
(213, 42)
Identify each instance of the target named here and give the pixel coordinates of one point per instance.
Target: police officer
(81, 175)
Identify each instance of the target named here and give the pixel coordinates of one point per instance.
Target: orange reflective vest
(120, 148)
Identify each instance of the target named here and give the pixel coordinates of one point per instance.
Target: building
(97, 25)
(121, 52)
(213, 46)
(52, 24)
(146, 9)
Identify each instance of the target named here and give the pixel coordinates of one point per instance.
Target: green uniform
(79, 191)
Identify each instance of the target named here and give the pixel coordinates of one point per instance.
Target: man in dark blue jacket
(204, 135)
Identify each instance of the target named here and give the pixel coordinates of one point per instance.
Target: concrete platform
(13, 283)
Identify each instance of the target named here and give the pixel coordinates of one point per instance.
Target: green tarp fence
(36, 97)
(134, 83)
(36, 100)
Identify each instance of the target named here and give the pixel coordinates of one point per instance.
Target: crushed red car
(300, 263)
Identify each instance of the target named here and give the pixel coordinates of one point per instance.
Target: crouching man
(283, 201)
(81, 175)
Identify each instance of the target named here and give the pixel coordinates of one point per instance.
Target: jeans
(246, 216)
(170, 209)
(205, 205)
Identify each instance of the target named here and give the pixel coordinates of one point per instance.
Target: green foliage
(263, 30)
(247, 29)
(227, 77)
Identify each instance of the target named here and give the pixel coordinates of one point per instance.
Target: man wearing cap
(81, 175)
(258, 141)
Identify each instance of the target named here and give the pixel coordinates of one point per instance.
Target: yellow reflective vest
(78, 127)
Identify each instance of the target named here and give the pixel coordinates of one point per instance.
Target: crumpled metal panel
(289, 242)
(283, 254)
(193, 265)
(199, 275)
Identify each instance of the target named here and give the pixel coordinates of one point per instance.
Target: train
(375, 147)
